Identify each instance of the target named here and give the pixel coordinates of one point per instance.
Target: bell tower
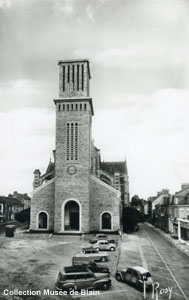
(74, 78)
(74, 112)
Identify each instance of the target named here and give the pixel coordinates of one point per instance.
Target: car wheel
(70, 290)
(118, 277)
(139, 286)
(103, 259)
(105, 286)
(112, 249)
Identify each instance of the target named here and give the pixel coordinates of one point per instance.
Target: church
(78, 192)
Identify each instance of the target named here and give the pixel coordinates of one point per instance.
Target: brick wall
(103, 198)
(43, 200)
(71, 88)
(73, 186)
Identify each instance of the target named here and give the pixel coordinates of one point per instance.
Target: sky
(140, 85)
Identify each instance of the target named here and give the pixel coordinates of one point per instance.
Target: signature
(157, 291)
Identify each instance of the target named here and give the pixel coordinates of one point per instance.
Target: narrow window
(73, 75)
(76, 141)
(78, 77)
(76, 107)
(68, 141)
(42, 220)
(80, 106)
(58, 107)
(82, 77)
(72, 141)
(68, 74)
(68, 107)
(106, 221)
(63, 78)
(63, 106)
(85, 106)
(71, 106)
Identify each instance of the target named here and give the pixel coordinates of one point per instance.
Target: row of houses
(12, 204)
(169, 212)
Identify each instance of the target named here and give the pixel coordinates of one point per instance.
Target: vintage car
(135, 276)
(79, 277)
(101, 236)
(94, 267)
(104, 245)
(89, 254)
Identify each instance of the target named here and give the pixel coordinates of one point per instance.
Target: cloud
(28, 137)
(152, 131)
(93, 8)
(65, 7)
(142, 56)
(5, 3)
(24, 92)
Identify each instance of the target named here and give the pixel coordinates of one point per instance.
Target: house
(180, 213)
(157, 210)
(8, 207)
(24, 198)
(78, 193)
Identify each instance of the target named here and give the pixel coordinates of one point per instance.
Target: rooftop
(113, 167)
(10, 200)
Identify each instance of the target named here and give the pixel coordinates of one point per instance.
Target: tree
(131, 217)
(23, 216)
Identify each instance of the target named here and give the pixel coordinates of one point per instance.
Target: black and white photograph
(94, 149)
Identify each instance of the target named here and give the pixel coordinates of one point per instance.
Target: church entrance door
(71, 216)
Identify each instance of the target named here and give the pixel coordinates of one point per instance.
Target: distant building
(8, 207)
(116, 175)
(180, 213)
(158, 209)
(78, 193)
(24, 198)
(148, 209)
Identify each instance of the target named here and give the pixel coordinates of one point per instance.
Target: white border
(37, 223)
(62, 216)
(101, 221)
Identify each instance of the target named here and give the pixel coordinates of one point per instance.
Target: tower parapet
(74, 76)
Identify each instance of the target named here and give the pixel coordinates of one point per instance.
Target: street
(168, 265)
(31, 261)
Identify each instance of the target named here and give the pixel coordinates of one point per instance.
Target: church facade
(78, 193)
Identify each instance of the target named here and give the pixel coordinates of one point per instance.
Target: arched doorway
(42, 220)
(106, 221)
(71, 216)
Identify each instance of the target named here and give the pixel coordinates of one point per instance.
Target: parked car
(104, 245)
(77, 278)
(89, 254)
(101, 236)
(94, 267)
(135, 276)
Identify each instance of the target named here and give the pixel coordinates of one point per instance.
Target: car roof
(74, 270)
(140, 269)
(99, 234)
(100, 241)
